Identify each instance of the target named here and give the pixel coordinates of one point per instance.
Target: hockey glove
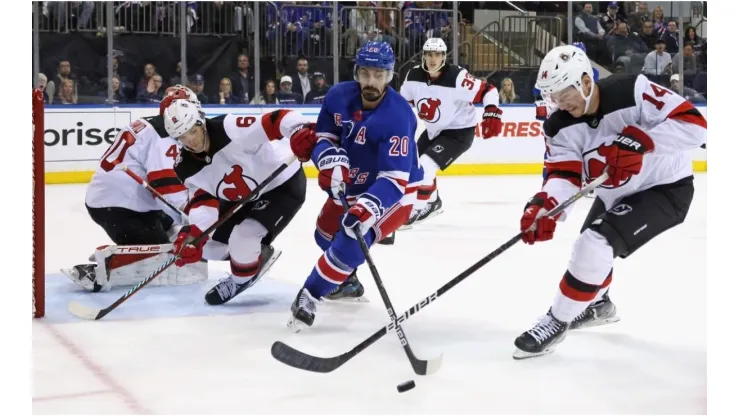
(333, 165)
(623, 157)
(491, 123)
(302, 141)
(189, 253)
(365, 213)
(534, 213)
(540, 110)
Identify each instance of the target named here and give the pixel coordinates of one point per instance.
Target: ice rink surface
(166, 352)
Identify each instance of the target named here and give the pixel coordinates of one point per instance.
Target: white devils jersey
(674, 124)
(146, 149)
(447, 102)
(241, 155)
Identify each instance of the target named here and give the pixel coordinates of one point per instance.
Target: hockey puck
(406, 386)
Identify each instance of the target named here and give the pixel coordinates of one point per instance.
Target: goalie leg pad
(117, 266)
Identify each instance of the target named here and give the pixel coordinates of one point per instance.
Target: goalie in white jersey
(140, 226)
(642, 135)
(222, 160)
(444, 96)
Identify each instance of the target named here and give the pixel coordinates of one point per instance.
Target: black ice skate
(303, 310)
(83, 275)
(228, 288)
(350, 290)
(388, 241)
(431, 210)
(598, 313)
(541, 339)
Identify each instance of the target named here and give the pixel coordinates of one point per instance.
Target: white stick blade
(81, 311)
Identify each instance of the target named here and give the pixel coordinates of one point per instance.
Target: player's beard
(371, 94)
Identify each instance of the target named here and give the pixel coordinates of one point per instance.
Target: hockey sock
(588, 272)
(326, 275)
(428, 190)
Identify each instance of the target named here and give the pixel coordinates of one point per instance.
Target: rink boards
(77, 136)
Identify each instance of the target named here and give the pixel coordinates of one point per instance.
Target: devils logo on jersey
(234, 187)
(594, 165)
(429, 109)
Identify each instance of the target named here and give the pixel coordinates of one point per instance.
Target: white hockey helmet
(178, 92)
(180, 116)
(561, 68)
(434, 45)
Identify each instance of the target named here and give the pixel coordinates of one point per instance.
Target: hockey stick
(294, 358)
(84, 312)
(421, 367)
(154, 192)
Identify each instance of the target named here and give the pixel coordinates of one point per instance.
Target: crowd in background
(620, 36)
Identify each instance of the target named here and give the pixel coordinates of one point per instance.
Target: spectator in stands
(658, 61)
(362, 27)
(154, 91)
(624, 44)
(64, 72)
(242, 80)
(286, 95)
(268, 96)
(67, 93)
(688, 93)
(118, 94)
(59, 11)
(612, 17)
(649, 36)
(590, 31)
(414, 21)
(671, 38)
(301, 80)
(197, 84)
(508, 93)
(691, 36)
(689, 61)
(41, 82)
(320, 88)
(658, 20)
(176, 80)
(225, 95)
(387, 21)
(642, 14)
(295, 27)
(149, 71)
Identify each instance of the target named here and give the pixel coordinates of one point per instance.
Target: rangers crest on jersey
(429, 109)
(234, 186)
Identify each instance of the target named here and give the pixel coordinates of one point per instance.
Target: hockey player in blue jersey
(365, 141)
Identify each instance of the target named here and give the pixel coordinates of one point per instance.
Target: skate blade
(600, 322)
(361, 299)
(523, 355)
(432, 215)
(297, 325)
(72, 275)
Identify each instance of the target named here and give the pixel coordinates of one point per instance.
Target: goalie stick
(154, 192)
(295, 358)
(421, 367)
(85, 312)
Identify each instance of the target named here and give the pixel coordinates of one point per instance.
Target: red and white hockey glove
(491, 124)
(534, 213)
(333, 165)
(365, 213)
(624, 156)
(189, 253)
(302, 141)
(540, 110)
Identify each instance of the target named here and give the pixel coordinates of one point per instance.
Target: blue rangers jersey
(380, 143)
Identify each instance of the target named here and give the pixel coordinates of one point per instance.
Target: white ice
(166, 352)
